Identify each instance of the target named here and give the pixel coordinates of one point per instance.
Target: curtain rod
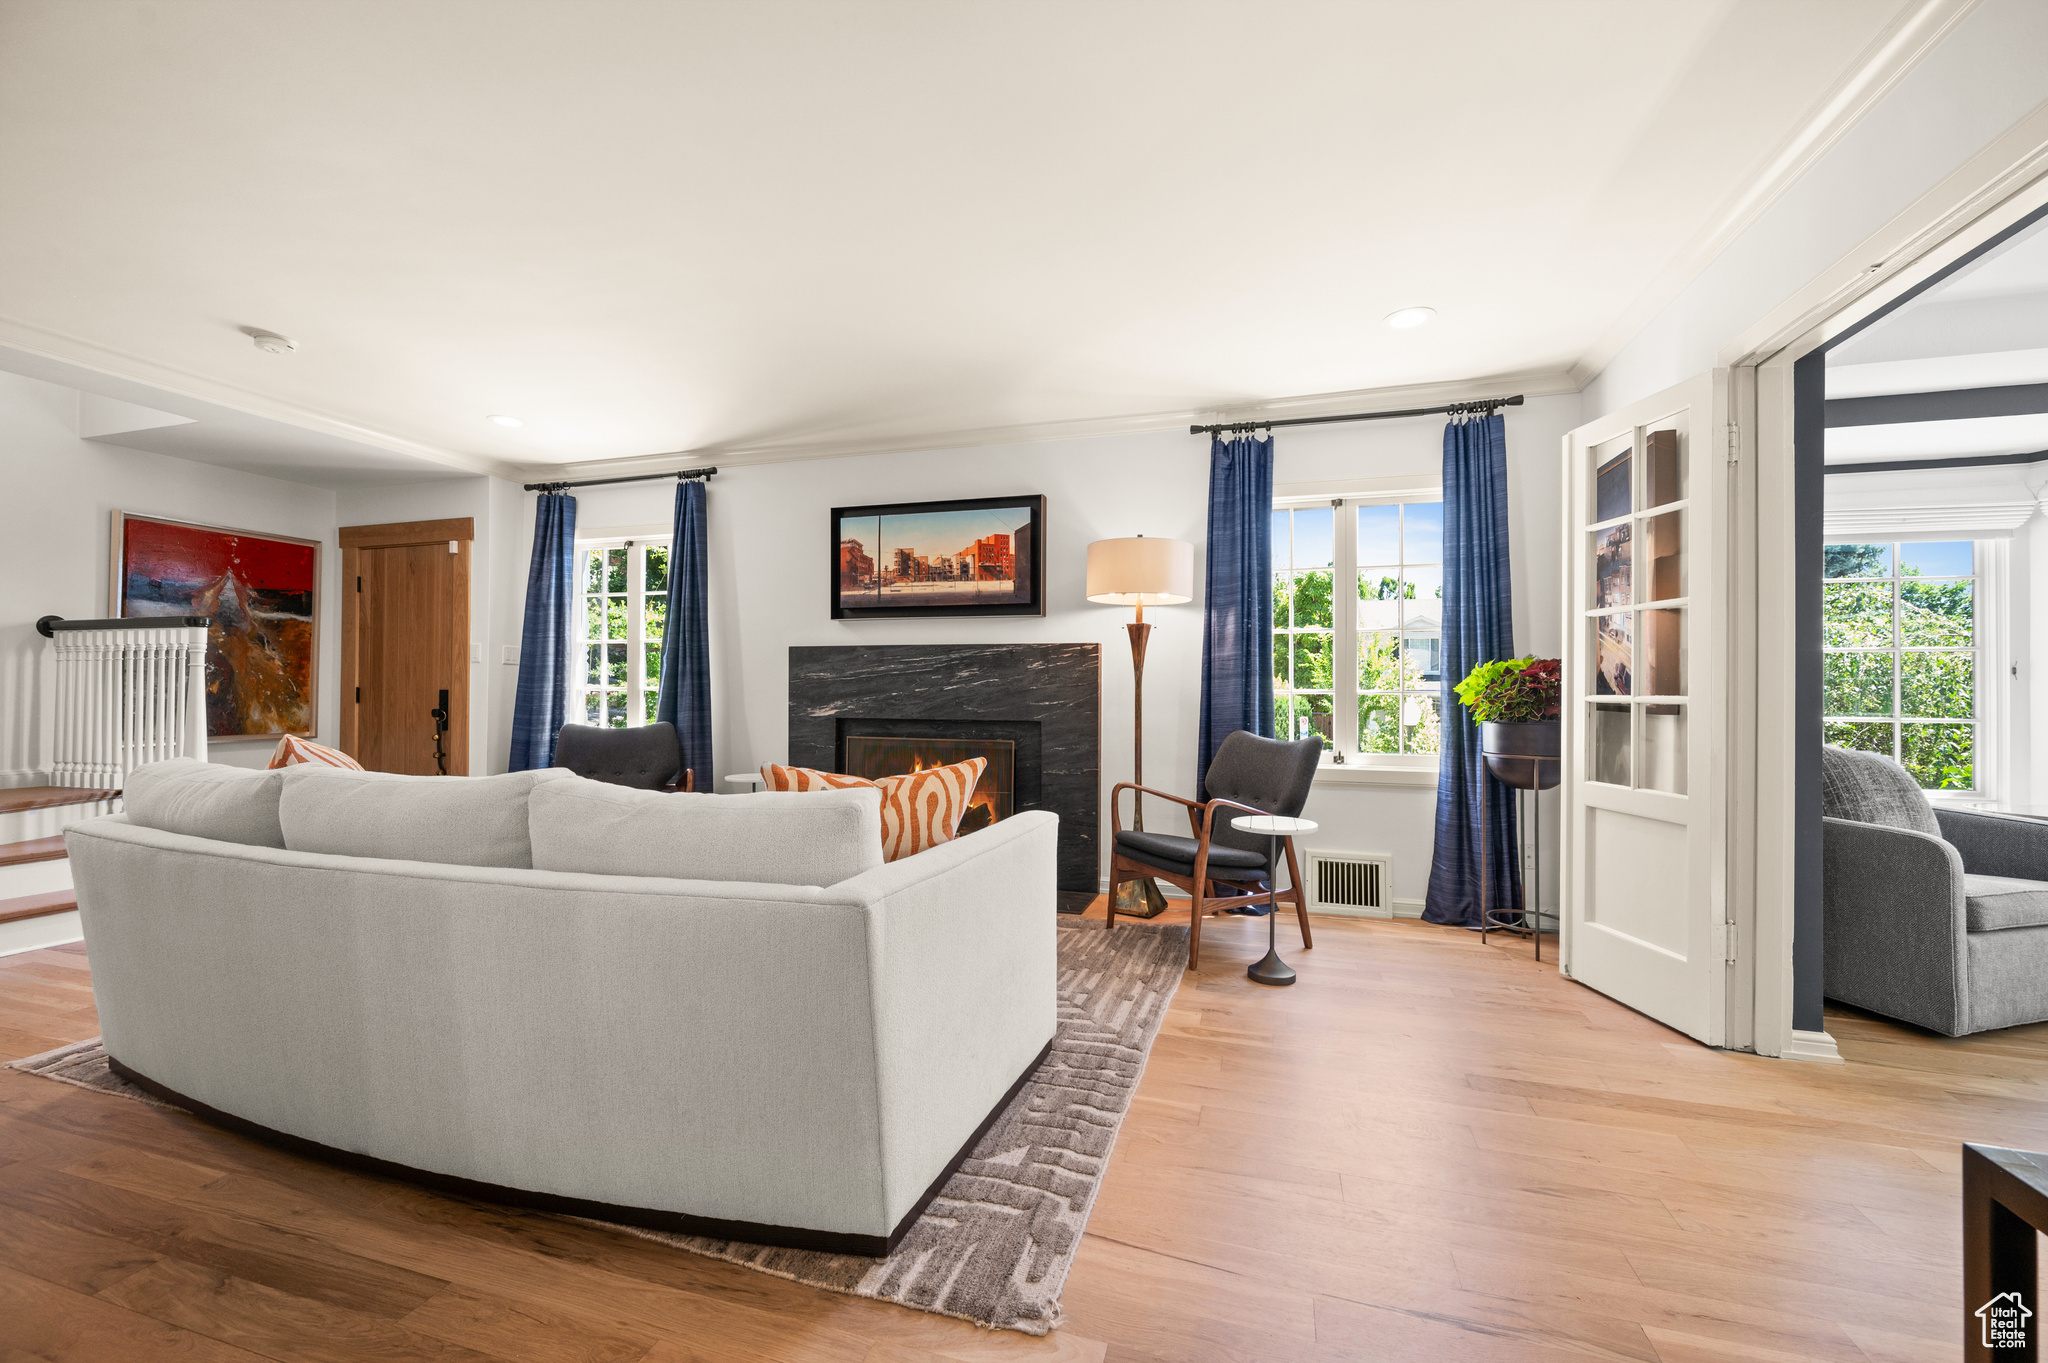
(1486, 405)
(636, 478)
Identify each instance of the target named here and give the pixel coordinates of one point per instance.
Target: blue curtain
(1237, 598)
(1478, 626)
(685, 699)
(541, 705)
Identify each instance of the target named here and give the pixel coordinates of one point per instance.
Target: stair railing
(129, 692)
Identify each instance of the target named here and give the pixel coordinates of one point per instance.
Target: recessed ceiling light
(508, 421)
(1410, 317)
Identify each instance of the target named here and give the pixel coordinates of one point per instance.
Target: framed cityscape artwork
(263, 595)
(984, 556)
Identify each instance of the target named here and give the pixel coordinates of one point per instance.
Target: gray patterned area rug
(994, 1247)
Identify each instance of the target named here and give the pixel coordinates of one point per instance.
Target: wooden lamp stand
(1140, 572)
(1139, 898)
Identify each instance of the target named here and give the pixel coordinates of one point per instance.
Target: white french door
(1646, 731)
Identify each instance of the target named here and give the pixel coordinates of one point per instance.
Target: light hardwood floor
(1428, 1149)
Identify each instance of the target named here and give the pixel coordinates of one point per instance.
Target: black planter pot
(1523, 755)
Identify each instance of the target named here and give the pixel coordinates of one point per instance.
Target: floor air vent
(1349, 882)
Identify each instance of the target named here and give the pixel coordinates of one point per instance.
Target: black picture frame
(870, 591)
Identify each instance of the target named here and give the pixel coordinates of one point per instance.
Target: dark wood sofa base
(674, 1223)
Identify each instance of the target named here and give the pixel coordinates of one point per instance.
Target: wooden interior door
(405, 642)
(1646, 729)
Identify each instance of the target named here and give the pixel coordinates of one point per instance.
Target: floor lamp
(1140, 572)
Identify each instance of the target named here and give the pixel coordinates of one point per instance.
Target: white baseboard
(33, 934)
(1396, 908)
(20, 777)
(1816, 1048)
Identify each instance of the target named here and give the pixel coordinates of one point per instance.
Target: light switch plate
(476, 653)
(510, 657)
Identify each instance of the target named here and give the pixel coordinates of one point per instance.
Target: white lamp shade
(1141, 572)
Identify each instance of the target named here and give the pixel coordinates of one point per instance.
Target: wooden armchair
(1220, 867)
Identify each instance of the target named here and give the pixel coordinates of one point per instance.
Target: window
(1899, 629)
(1360, 666)
(617, 680)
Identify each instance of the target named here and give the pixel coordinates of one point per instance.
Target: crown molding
(740, 454)
(83, 354)
(1911, 35)
(1992, 191)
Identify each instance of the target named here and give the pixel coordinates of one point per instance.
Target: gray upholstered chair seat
(1935, 916)
(1991, 903)
(1171, 853)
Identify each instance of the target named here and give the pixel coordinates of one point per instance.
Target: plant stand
(1524, 758)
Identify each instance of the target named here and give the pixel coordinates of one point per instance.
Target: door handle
(440, 714)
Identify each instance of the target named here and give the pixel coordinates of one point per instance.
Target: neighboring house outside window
(1904, 657)
(616, 676)
(1359, 663)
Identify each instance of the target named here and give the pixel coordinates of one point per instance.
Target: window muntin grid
(1902, 656)
(621, 612)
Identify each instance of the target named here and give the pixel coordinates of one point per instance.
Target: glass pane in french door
(1663, 749)
(1612, 557)
(1613, 470)
(1663, 637)
(1608, 744)
(1663, 472)
(1666, 563)
(1613, 656)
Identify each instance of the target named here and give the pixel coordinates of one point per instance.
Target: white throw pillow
(453, 820)
(777, 839)
(205, 800)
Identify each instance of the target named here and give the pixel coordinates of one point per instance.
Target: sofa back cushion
(454, 820)
(778, 839)
(1869, 788)
(206, 800)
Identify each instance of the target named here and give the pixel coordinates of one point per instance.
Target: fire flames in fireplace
(994, 795)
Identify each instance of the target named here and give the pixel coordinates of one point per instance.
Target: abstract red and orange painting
(262, 594)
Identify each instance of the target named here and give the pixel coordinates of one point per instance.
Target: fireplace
(877, 755)
(1032, 709)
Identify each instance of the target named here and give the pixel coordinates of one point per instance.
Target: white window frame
(636, 640)
(1343, 498)
(1992, 647)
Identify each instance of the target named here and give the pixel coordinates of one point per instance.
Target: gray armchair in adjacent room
(1932, 916)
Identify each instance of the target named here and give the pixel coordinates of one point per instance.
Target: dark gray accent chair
(1220, 867)
(1933, 916)
(646, 758)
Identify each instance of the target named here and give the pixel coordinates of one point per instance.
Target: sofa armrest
(1997, 844)
(1893, 924)
(963, 949)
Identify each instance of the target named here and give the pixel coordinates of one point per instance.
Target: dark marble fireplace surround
(1047, 698)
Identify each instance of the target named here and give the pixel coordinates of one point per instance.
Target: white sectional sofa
(503, 986)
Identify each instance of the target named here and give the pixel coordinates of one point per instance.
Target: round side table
(1270, 969)
(746, 780)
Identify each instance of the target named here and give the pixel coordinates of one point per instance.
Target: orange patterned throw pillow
(919, 810)
(292, 750)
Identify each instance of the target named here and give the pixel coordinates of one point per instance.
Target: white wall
(55, 526)
(484, 500)
(770, 563)
(1983, 78)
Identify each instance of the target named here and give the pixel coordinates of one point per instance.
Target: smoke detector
(270, 342)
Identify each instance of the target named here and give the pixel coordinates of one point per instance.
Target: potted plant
(1516, 702)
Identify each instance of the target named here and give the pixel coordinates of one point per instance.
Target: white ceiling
(665, 226)
(1986, 326)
